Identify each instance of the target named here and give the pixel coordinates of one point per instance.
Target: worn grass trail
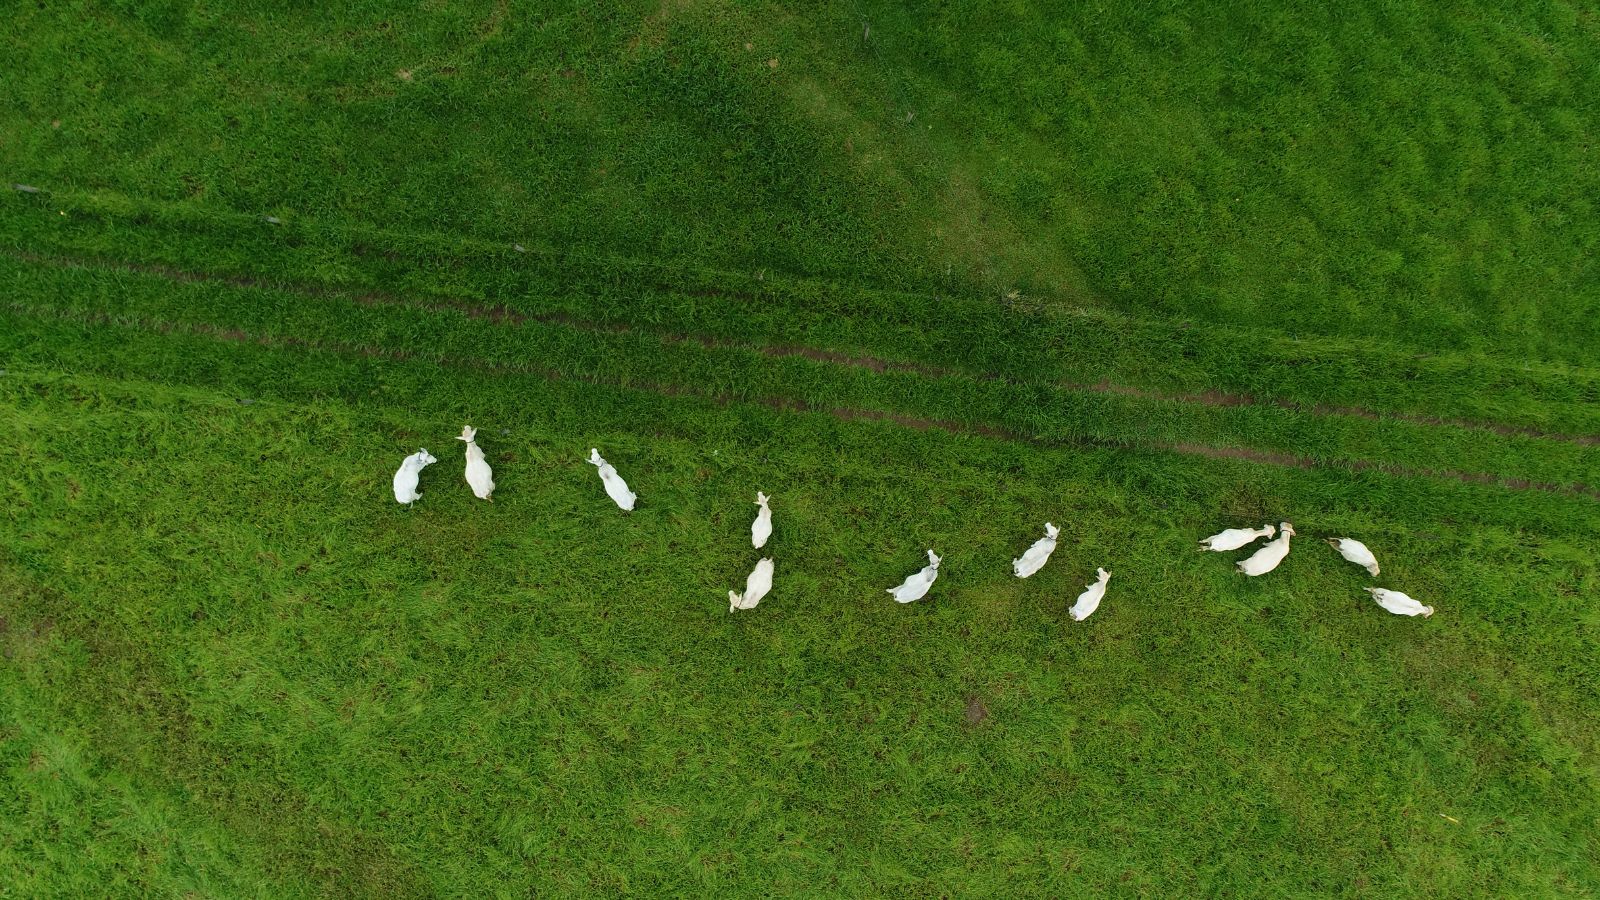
(895, 329)
(1048, 411)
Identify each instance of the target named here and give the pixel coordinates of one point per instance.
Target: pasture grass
(1383, 170)
(930, 277)
(1046, 412)
(1019, 339)
(310, 689)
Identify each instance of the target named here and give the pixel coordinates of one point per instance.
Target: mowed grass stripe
(1019, 340)
(297, 370)
(1037, 412)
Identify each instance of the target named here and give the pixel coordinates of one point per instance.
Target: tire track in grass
(850, 414)
(504, 314)
(1450, 450)
(1525, 397)
(457, 250)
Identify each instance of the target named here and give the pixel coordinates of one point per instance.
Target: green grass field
(928, 276)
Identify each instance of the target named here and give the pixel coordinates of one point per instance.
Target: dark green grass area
(271, 679)
(1371, 170)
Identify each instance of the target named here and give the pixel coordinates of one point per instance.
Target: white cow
(1089, 600)
(1267, 558)
(479, 476)
(916, 586)
(1034, 558)
(410, 472)
(755, 587)
(1234, 538)
(1398, 603)
(1356, 552)
(761, 528)
(616, 488)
